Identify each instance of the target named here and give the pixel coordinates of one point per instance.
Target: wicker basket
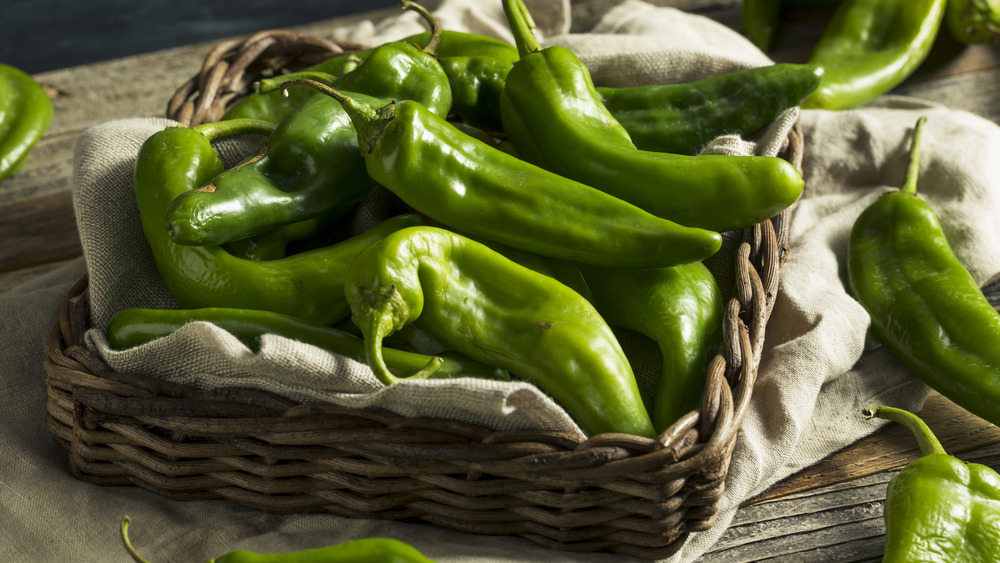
(612, 492)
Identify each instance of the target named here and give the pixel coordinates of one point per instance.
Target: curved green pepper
(25, 114)
(475, 188)
(682, 118)
(476, 85)
(554, 116)
(310, 165)
(308, 284)
(973, 21)
(499, 313)
(135, 326)
(365, 550)
(870, 46)
(679, 308)
(939, 508)
(925, 307)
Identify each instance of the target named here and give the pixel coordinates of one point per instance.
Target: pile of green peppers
(541, 216)
(869, 47)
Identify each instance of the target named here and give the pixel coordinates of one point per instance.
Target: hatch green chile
(870, 46)
(308, 284)
(476, 188)
(925, 307)
(500, 313)
(25, 115)
(939, 507)
(555, 118)
(365, 550)
(136, 326)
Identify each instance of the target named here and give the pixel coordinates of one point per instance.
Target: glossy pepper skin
(25, 115)
(499, 313)
(679, 308)
(365, 550)
(475, 188)
(973, 21)
(308, 284)
(682, 118)
(760, 21)
(135, 326)
(938, 507)
(555, 118)
(310, 165)
(924, 305)
(870, 46)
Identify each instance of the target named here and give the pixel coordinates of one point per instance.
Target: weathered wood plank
(44, 229)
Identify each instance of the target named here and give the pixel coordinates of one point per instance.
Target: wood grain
(44, 228)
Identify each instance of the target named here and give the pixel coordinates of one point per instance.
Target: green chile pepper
(310, 165)
(307, 285)
(135, 326)
(554, 116)
(25, 114)
(365, 550)
(499, 313)
(870, 46)
(682, 118)
(938, 507)
(476, 85)
(681, 309)
(760, 21)
(475, 188)
(925, 307)
(973, 21)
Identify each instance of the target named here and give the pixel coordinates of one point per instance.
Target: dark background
(42, 35)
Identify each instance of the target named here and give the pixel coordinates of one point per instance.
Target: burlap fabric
(817, 370)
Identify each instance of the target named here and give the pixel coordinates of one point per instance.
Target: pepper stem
(266, 85)
(926, 439)
(128, 543)
(521, 24)
(368, 123)
(913, 169)
(435, 39)
(383, 309)
(230, 127)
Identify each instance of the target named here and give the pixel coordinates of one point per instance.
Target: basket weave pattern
(612, 492)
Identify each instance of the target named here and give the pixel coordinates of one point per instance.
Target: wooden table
(831, 511)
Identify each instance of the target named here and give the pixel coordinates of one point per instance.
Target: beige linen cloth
(817, 370)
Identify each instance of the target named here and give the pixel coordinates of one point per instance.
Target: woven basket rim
(130, 428)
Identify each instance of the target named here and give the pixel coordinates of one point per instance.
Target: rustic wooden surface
(829, 512)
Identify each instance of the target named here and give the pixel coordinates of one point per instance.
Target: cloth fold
(817, 370)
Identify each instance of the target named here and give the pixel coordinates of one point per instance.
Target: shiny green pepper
(500, 313)
(760, 21)
(870, 46)
(925, 306)
(973, 21)
(682, 118)
(308, 284)
(475, 188)
(25, 114)
(365, 550)
(555, 118)
(679, 308)
(939, 508)
(136, 326)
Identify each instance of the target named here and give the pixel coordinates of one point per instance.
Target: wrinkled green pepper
(555, 118)
(871, 46)
(136, 326)
(682, 118)
(308, 284)
(925, 307)
(938, 507)
(25, 115)
(973, 21)
(499, 313)
(475, 188)
(679, 308)
(310, 167)
(365, 550)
